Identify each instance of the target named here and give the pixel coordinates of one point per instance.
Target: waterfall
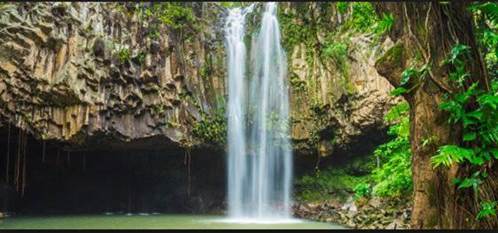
(236, 59)
(259, 152)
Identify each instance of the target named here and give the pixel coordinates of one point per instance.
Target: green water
(160, 221)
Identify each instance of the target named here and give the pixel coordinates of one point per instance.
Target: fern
(490, 9)
(488, 209)
(449, 154)
(394, 177)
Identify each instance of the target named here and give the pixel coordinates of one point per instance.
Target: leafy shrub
(363, 17)
(486, 24)
(342, 7)
(393, 177)
(212, 128)
(336, 50)
(385, 24)
(124, 55)
(174, 14)
(488, 209)
(322, 184)
(361, 190)
(475, 110)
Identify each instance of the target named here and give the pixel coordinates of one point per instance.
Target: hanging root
(18, 159)
(84, 162)
(187, 162)
(43, 151)
(7, 163)
(23, 186)
(58, 156)
(68, 158)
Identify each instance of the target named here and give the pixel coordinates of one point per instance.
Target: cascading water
(236, 57)
(259, 154)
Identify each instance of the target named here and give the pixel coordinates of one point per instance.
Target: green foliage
(397, 112)
(410, 75)
(470, 182)
(294, 33)
(173, 14)
(363, 17)
(489, 9)
(140, 58)
(398, 91)
(176, 15)
(475, 110)
(297, 83)
(361, 190)
(342, 7)
(385, 24)
(124, 55)
(450, 154)
(488, 209)
(205, 71)
(322, 184)
(212, 128)
(336, 50)
(480, 124)
(232, 4)
(393, 177)
(486, 32)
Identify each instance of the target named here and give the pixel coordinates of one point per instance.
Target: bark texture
(424, 33)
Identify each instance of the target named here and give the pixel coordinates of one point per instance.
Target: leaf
(490, 10)
(488, 208)
(488, 100)
(477, 160)
(406, 75)
(456, 181)
(469, 136)
(398, 91)
(494, 152)
(449, 154)
(477, 114)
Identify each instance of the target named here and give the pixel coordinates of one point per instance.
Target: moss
(124, 55)
(323, 184)
(176, 15)
(233, 4)
(296, 83)
(392, 56)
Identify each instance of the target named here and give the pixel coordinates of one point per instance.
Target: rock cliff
(93, 74)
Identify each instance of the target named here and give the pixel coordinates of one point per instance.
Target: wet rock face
(334, 101)
(69, 71)
(90, 74)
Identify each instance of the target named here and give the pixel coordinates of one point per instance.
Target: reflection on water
(151, 221)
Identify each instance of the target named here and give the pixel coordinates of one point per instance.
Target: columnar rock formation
(85, 74)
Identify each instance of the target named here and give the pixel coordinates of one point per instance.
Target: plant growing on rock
(212, 128)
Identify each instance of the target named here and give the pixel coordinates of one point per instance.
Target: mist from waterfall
(259, 152)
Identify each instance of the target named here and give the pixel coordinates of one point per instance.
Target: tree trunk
(424, 33)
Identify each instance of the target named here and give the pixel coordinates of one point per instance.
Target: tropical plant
(474, 108)
(393, 177)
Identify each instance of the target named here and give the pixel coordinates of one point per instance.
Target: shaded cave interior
(143, 179)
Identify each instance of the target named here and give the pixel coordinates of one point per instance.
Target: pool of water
(158, 221)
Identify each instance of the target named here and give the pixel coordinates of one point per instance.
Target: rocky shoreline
(373, 213)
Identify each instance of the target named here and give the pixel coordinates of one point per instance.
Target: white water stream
(259, 152)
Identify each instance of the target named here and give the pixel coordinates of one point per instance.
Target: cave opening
(58, 180)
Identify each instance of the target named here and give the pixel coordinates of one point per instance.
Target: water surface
(160, 221)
